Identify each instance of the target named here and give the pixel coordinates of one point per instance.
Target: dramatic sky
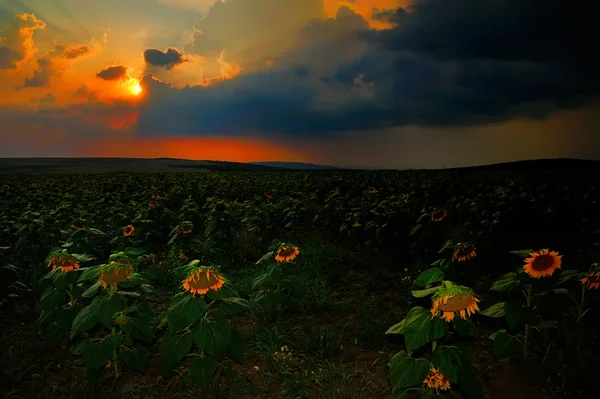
(371, 83)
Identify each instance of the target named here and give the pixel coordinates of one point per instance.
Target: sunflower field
(340, 284)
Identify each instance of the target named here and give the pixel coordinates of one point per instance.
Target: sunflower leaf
(420, 328)
(506, 282)
(85, 320)
(235, 348)
(203, 369)
(426, 292)
(212, 336)
(397, 328)
(504, 345)
(187, 310)
(174, 348)
(429, 276)
(496, 311)
(450, 360)
(136, 359)
(523, 253)
(407, 372)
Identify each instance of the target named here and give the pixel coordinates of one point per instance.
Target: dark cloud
(444, 64)
(168, 59)
(114, 72)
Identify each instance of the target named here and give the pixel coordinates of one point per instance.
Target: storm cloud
(168, 59)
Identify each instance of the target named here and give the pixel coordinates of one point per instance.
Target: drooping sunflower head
(128, 231)
(202, 279)
(185, 228)
(591, 281)
(78, 224)
(153, 203)
(65, 261)
(155, 196)
(438, 215)
(436, 380)
(463, 252)
(114, 273)
(6, 187)
(455, 300)
(542, 263)
(287, 253)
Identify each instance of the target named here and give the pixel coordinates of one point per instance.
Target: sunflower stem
(526, 338)
(115, 361)
(580, 307)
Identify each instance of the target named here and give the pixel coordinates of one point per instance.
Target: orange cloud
(17, 46)
(365, 9)
(201, 148)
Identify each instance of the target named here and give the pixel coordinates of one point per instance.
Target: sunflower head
(153, 203)
(591, 280)
(542, 264)
(121, 319)
(78, 224)
(6, 187)
(202, 279)
(463, 252)
(128, 231)
(287, 253)
(436, 380)
(65, 261)
(438, 215)
(454, 300)
(114, 273)
(155, 196)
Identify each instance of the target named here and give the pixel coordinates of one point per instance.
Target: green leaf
(265, 257)
(567, 275)
(523, 253)
(504, 346)
(212, 336)
(139, 328)
(91, 291)
(226, 291)
(430, 276)
(85, 320)
(464, 328)
(515, 314)
(136, 359)
(134, 251)
(469, 381)
(450, 360)
(90, 273)
(415, 229)
(231, 306)
(446, 245)
(186, 311)
(270, 277)
(397, 328)
(426, 292)
(269, 299)
(97, 354)
(496, 311)
(203, 369)
(407, 372)
(420, 328)
(507, 282)
(105, 307)
(52, 298)
(175, 347)
(235, 348)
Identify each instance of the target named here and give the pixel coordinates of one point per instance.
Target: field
(294, 284)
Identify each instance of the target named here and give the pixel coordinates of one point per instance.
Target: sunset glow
(361, 82)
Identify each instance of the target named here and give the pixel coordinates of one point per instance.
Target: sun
(137, 89)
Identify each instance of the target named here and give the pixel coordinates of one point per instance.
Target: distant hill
(558, 164)
(295, 165)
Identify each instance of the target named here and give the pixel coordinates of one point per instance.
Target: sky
(356, 83)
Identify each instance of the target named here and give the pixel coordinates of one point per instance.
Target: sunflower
(183, 257)
(463, 252)
(78, 224)
(436, 380)
(542, 264)
(287, 254)
(114, 273)
(269, 196)
(456, 298)
(6, 187)
(438, 215)
(202, 279)
(127, 231)
(66, 262)
(153, 204)
(155, 196)
(183, 231)
(121, 320)
(591, 281)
